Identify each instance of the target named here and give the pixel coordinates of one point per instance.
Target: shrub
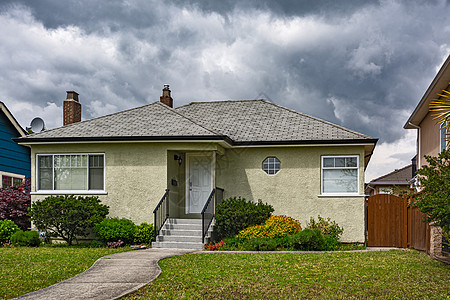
(306, 240)
(274, 227)
(96, 244)
(235, 214)
(216, 246)
(115, 229)
(312, 240)
(26, 238)
(117, 244)
(14, 203)
(144, 234)
(68, 216)
(7, 229)
(326, 226)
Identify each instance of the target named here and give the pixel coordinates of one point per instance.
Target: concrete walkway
(110, 277)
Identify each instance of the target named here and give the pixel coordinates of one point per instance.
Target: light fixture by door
(179, 158)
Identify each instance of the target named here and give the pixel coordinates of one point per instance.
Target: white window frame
(277, 171)
(68, 192)
(334, 168)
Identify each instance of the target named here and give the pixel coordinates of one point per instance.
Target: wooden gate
(391, 222)
(387, 221)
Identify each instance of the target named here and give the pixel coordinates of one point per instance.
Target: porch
(184, 216)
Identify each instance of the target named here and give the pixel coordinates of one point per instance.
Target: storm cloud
(363, 65)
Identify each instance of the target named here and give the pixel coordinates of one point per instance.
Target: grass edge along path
(380, 274)
(24, 269)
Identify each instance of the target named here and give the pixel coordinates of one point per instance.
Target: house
(14, 158)
(301, 165)
(389, 183)
(431, 137)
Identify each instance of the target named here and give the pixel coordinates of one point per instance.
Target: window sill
(339, 195)
(76, 192)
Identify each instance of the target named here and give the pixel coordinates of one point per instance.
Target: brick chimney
(71, 109)
(165, 98)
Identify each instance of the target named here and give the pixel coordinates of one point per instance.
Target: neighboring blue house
(14, 158)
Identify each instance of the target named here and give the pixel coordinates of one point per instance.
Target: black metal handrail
(208, 211)
(161, 213)
(207, 214)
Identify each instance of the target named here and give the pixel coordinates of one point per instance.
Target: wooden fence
(391, 223)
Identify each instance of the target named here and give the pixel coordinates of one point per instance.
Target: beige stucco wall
(137, 174)
(430, 139)
(295, 190)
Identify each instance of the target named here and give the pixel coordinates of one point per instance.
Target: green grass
(386, 275)
(24, 269)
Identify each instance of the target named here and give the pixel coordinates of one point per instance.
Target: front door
(199, 181)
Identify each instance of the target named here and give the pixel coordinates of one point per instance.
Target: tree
(434, 197)
(14, 203)
(441, 108)
(68, 216)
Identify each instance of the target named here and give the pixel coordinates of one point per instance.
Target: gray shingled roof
(154, 119)
(243, 121)
(260, 120)
(398, 176)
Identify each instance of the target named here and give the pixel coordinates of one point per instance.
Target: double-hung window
(340, 175)
(70, 172)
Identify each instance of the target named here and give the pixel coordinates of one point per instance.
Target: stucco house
(14, 158)
(301, 165)
(431, 137)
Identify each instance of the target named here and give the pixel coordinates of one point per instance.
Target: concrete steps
(180, 234)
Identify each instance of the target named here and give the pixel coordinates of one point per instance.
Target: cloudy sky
(360, 64)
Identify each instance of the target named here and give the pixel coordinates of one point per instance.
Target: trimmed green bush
(326, 226)
(7, 229)
(114, 229)
(306, 240)
(144, 234)
(68, 217)
(26, 238)
(235, 214)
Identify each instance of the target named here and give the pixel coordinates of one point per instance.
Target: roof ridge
(317, 119)
(189, 119)
(101, 117)
(201, 102)
(393, 172)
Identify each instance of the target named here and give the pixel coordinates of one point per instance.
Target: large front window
(340, 174)
(70, 172)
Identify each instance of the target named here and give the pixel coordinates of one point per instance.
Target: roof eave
(13, 120)
(306, 142)
(31, 140)
(439, 82)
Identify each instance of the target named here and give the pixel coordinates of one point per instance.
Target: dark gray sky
(363, 64)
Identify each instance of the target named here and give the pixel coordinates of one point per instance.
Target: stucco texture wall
(135, 176)
(296, 189)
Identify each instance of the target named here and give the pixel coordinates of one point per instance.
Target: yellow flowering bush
(274, 227)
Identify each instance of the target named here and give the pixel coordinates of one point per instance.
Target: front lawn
(23, 269)
(392, 274)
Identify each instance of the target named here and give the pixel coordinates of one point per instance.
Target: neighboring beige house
(393, 182)
(301, 165)
(431, 138)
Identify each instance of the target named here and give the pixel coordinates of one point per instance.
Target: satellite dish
(37, 125)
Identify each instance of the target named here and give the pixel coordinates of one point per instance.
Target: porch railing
(161, 213)
(208, 211)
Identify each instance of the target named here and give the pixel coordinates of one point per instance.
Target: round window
(271, 165)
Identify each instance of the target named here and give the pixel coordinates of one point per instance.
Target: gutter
(31, 140)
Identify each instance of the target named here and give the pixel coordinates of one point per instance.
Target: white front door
(199, 182)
